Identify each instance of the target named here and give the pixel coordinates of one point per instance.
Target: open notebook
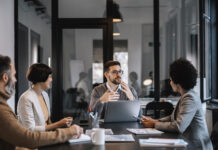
(108, 138)
(83, 138)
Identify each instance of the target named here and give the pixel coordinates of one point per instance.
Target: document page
(107, 132)
(119, 138)
(83, 138)
(144, 131)
(161, 142)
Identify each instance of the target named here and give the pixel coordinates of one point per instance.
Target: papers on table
(83, 138)
(161, 142)
(107, 132)
(119, 138)
(144, 131)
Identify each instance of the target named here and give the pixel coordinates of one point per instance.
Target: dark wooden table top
(118, 128)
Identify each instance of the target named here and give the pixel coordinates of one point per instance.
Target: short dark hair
(82, 75)
(110, 63)
(134, 75)
(38, 73)
(184, 73)
(5, 67)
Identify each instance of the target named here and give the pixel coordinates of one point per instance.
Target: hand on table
(148, 122)
(77, 130)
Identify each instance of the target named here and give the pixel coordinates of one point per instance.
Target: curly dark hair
(184, 73)
(38, 73)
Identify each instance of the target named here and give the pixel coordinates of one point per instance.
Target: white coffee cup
(98, 136)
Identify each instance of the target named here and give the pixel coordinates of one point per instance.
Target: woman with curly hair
(187, 118)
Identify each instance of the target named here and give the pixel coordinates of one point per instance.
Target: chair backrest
(71, 95)
(214, 136)
(158, 109)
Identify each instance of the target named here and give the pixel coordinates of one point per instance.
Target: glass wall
(179, 37)
(82, 8)
(82, 65)
(208, 50)
(133, 46)
(34, 38)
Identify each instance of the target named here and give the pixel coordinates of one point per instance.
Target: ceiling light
(117, 17)
(116, 31)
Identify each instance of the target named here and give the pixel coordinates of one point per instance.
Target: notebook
(119, 138)
(82, 138)
(161, 142)
(107, 132)
(144, 131)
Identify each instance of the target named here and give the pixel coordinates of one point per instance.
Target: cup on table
(98, 136)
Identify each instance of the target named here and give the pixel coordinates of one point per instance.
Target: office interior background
(76, 37)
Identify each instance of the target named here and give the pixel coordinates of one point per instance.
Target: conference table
(119, 128)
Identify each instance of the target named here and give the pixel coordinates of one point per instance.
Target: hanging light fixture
(116, 31)
(117, 17)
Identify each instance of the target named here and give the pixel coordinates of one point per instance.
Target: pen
(96, 114)
(90, 112)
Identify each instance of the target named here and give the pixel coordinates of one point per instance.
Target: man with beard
(12, 133)
(113, 89)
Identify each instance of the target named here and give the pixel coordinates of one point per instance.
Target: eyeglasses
(117, 72)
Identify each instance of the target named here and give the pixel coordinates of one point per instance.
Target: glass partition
(208, 51)
(82, 8)
(133, 46)
(34, 39)
(179, 37)
(82, 68)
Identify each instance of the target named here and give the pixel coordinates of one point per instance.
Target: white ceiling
(133, 11)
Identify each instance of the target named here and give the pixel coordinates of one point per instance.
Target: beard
(10, 87)
(116, 81)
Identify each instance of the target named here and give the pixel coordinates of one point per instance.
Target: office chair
(214, 136)
(157, 110)
(71, 106)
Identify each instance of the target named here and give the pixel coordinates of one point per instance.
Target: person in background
(133, 77)
(113, 89)
(33, 106)
(12, 133)
(82, 87)
(188, 117)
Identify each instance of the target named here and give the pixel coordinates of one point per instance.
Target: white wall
(7, 33)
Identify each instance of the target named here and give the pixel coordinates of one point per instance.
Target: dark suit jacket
(188, 119)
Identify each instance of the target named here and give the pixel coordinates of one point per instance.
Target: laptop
(121, 111)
